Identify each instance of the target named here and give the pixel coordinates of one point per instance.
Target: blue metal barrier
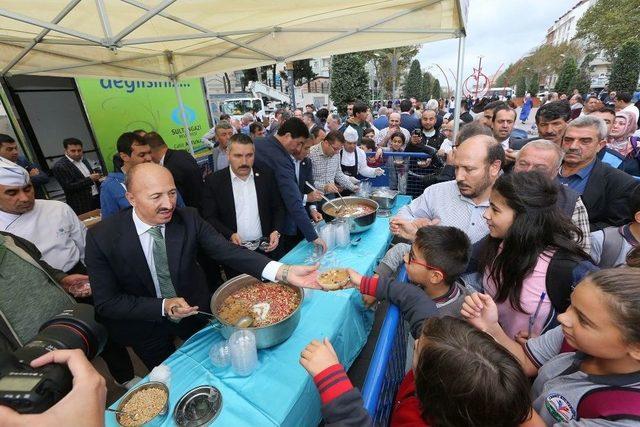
(387, 368)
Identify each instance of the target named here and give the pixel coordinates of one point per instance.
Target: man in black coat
(184, 168)
(145, 279)
(605, 190)
(77, 178)
(242, 201)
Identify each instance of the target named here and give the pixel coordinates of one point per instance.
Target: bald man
(146, 282)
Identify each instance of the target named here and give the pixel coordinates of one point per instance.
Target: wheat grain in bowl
(333, 279)
(143, 405)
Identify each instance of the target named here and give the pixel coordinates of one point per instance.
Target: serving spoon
(331, 202)
(243, 322)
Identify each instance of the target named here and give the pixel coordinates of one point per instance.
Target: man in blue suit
(408, 120)
(275, 152)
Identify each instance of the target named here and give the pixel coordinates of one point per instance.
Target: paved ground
(527, 127)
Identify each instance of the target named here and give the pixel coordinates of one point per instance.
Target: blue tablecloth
(280, 392)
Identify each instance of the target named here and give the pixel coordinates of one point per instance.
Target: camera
(32, 391)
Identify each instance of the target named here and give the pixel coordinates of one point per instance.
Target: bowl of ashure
(359, 212)
(146, 404)
(273, 307)
(334, 279)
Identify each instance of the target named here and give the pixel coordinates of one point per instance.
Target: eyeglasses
(412, 260)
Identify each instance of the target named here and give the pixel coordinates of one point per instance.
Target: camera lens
(75, 328)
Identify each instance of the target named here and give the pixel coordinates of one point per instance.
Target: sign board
(117, 106)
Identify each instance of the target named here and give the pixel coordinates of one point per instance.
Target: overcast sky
(500, 30)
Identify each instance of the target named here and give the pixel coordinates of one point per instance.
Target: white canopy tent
(172, 39)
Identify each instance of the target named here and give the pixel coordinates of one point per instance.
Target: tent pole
(458, 95)
(68, 8)
(183, 114)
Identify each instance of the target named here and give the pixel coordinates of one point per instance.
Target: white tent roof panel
(135, 38)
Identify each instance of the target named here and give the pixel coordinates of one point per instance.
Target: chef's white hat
(12, 175)
(350, 134)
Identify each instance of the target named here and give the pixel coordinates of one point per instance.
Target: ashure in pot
(359, 212)
(266, 336)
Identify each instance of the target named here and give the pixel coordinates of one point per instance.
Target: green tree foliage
(382, 62)
(303, 73)
(521, 85)
(534, 84)
(427, 82)
(626, 68)
(413, 82)
(436, 92)
(349, 80)
(544, 60)
(610, 23)
(582, 81)
(567, 77)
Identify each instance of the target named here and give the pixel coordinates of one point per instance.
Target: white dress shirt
(146, 241)
(55, 230)
(246, 203)
(349, 159)
(85, 172)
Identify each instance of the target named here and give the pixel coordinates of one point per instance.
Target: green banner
(117, 106)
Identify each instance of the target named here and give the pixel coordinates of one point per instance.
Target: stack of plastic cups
(343, 236)
(328, 234)
(244, 354)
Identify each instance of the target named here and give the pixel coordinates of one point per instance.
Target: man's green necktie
(162, 264)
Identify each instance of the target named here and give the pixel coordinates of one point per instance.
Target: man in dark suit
(276, 153)
(604, 190)
(304, 174)
(242, 201)
(184, 168)
(407, 120)
(142, 262)
(77, 178)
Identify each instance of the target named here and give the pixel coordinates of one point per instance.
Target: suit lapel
(174, 238)
(131, 250)
(227, 188)
(262, 194)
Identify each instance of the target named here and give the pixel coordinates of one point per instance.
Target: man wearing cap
(353, 160)
(41, 253)
(50, 225)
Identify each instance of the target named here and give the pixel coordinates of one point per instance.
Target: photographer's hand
(85, 402)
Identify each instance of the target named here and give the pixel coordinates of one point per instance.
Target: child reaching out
(462, 378)
(434, 263)
(588, 368)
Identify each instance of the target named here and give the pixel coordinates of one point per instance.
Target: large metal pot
(266, 336)
(356, 224)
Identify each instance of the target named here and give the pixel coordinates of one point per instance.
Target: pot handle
(216, 325)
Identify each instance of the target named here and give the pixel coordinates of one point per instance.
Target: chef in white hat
(353, 160)
(50, 225)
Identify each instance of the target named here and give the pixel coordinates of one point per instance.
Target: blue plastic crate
(387, 367)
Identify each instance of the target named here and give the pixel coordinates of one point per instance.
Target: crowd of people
(523, 250)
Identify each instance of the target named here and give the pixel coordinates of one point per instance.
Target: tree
(436, 92)
(302, 72)
(546, 59)
(413, 83)
(521, 85)
(382, 62)
(349, 80)
(427, 82)
(534, 84)
(625, 68)
(567, 77)
(608, 24)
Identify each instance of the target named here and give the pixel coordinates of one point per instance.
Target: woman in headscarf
(624, 125)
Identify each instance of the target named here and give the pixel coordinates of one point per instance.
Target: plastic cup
(343, 236)
(220, 355)
(244, 354)
(328, 234)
